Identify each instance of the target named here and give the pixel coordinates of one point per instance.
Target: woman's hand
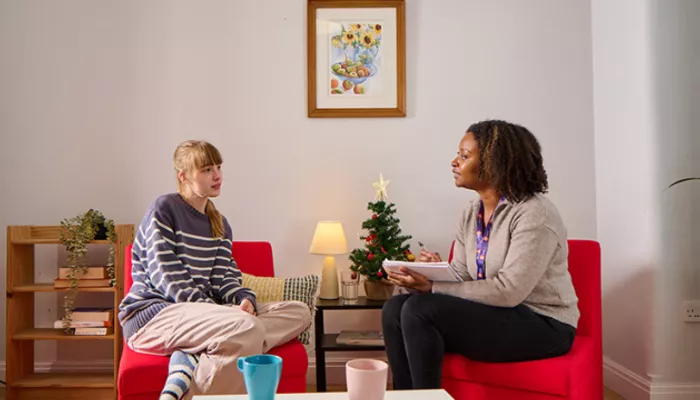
(426, 256)
(411, 280)
(248, 307)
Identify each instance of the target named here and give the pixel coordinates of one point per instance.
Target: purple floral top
(482, 241)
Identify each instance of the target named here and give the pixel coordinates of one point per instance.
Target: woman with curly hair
(516, 301)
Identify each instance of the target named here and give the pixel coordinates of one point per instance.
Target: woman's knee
(249, 325)
(244, 333)
(391, 311)
(418, 307)
(301, 311)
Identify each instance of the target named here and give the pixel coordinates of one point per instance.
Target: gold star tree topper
(380, 187)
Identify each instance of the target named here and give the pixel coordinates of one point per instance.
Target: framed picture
(356, 58)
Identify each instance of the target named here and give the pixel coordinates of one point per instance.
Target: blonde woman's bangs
(205, 155)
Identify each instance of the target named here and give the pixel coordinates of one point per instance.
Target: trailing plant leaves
(75, 235)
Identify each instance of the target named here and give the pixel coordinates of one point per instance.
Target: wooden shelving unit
(22, 382)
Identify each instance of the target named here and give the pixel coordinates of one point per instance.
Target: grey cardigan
(526, 261)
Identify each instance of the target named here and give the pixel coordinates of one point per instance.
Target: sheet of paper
(435, 271)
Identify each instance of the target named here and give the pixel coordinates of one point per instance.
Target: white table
(436, 394)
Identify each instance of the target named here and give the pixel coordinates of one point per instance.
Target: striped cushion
(299, 288)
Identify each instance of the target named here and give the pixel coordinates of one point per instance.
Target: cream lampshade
(329, 240)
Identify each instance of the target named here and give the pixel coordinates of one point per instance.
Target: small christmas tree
(383, 239)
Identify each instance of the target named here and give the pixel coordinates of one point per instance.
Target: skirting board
(632, 386)
(624, 382)
(67, 366)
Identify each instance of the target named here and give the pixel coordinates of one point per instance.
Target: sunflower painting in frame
(356, 58)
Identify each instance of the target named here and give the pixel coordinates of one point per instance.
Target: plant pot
(378, 290)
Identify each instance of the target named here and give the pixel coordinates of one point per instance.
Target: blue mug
(261, 373)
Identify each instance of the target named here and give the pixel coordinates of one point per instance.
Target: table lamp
(329, 240)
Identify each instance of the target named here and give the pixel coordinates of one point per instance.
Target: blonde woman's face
(205, 182)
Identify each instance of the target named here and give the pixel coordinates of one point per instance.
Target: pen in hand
(422, 247)
(432, 257)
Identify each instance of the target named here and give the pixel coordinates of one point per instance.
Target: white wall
(645, 57)
(95, 97)
(676, 92)
(626, 182)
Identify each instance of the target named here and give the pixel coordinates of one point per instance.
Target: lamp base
(329, 280)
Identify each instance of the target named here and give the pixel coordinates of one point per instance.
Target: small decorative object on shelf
(382, 241)
(77, 232)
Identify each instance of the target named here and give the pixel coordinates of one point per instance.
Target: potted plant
(75, 235)
(382, 241)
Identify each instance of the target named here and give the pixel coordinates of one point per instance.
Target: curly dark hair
(510, 159)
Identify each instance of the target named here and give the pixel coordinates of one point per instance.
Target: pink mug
(366, 379)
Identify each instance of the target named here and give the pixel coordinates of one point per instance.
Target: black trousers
(420, 328)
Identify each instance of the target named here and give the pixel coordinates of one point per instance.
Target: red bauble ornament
(375, 216)
(379, 274)
(370, 256)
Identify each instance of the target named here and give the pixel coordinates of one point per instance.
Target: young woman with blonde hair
(187, 300)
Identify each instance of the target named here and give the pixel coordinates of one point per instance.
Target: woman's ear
(181, 176)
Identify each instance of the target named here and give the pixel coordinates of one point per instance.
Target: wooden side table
(326, 341)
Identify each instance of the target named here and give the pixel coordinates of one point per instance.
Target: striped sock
(180, 374)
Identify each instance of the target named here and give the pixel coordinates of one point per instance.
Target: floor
(609, 394)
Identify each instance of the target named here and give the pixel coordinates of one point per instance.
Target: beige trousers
(220, 335)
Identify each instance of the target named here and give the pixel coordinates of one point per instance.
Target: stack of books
(94, 277)
(90, 321)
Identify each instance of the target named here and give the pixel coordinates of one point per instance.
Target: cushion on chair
(299, 288)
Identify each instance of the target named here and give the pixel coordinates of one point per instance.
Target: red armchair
(141, 376)
(577, 375)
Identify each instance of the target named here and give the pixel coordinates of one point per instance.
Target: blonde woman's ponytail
(215, 219)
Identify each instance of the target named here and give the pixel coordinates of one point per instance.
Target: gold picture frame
(356, 58)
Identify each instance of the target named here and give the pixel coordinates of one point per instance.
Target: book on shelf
(65, 283)
(91, 273)
(81, 314)
(84, 324)
(362, 338)
(89, 321)
(91, 331)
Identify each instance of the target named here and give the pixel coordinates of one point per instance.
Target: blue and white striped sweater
(175, 260)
